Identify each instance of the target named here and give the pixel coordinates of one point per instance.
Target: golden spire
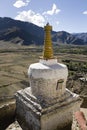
(48, 49)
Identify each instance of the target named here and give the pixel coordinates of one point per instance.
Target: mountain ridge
(26, 33)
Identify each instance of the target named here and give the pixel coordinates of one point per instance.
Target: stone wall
(33, 114)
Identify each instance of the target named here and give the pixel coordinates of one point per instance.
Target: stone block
(36, 114)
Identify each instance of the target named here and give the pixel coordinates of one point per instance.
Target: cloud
(85, 12)
(57, 22)
(31, 16)
(54, 10)
(39, 19)
(21, 3)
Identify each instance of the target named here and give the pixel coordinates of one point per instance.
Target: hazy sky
(67, 15)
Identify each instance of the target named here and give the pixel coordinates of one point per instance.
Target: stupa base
(34, 114)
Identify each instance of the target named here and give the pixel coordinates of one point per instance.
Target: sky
(63, 15)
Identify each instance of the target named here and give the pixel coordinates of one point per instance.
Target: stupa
(47, 104)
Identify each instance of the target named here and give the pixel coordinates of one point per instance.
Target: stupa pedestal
(47, 104)
(32, 114)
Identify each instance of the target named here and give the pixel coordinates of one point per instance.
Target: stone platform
(37, 114)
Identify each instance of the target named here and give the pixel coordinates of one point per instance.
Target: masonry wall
(59, 118)
(30, 119)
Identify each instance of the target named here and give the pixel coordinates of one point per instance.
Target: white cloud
(54, 10)
(31, 16)
(21, 3)
(57, 22)
(39, 19)
(85, 12)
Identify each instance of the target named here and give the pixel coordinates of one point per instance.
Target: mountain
(67, 38)
(82, 36)
(26, 33)
(20, 32)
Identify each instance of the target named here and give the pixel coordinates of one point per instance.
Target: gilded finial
(47, 23)
(48, 49)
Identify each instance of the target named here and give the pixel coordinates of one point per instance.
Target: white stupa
(47, 104)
